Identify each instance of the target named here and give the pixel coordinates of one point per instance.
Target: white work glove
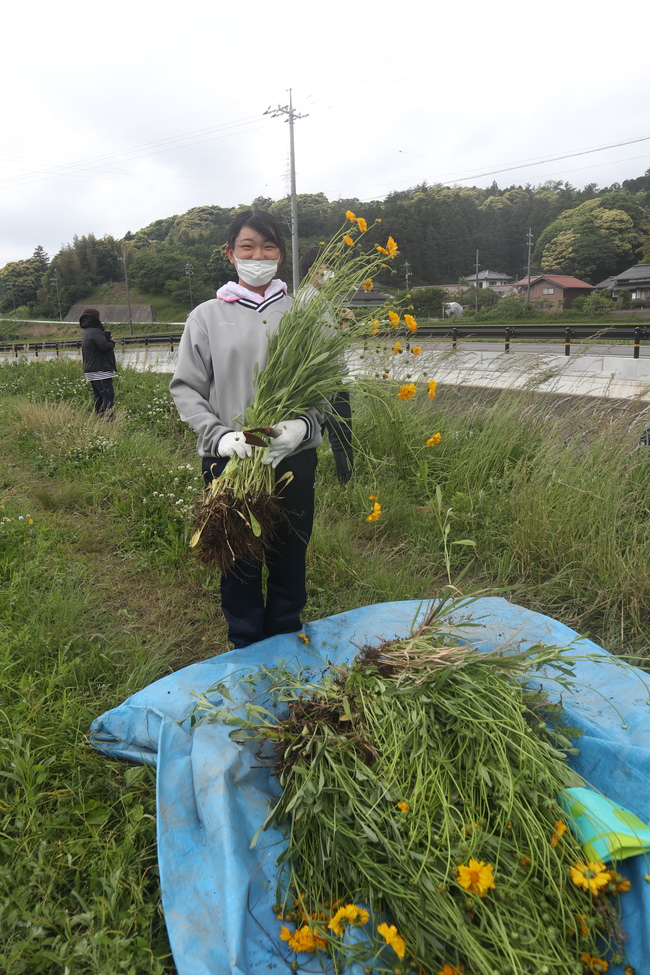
(292, 435)
(233, 444)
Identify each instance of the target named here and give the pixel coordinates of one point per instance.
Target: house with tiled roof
(636, 280)
(488, 279)
(552, 292)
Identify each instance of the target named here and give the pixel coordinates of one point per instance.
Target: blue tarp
(212, 794)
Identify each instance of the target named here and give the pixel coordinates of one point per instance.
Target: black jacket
(96, 348)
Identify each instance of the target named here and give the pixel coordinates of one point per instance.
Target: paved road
(583, 347)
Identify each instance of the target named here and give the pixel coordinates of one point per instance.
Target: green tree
(20, 281)
(428, 301)
(219, 268)
(592, 240)
(154, 267)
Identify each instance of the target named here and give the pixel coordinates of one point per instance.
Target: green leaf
(136, 813)
(256, 528)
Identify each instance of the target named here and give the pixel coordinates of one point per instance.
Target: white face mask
(256, 273)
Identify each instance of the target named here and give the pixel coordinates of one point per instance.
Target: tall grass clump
(553, 491)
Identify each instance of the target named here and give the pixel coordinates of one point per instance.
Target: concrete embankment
(598, 371)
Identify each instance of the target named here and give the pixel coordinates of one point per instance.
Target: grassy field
(99, 596)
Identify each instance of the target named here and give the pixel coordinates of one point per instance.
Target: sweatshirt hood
(231, 291)
(90, 321)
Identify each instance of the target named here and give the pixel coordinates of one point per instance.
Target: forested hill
(591, 233)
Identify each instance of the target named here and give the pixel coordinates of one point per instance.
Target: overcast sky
(115, 115)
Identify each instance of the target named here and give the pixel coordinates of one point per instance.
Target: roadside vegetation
(99, 596)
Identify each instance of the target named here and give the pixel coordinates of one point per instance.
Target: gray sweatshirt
(212, 385)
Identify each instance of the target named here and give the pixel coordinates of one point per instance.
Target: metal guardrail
(121, 342)
(635, 334)
(508, 333)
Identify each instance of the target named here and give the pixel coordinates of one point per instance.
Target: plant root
(237, 531)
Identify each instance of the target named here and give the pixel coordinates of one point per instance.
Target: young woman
(97, 351)
(212, 386)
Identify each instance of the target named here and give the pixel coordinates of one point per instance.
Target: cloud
(120, 116)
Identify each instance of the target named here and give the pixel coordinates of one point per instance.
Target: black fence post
(454, 338)
(567, 341)
(507, 336)
(637, 342)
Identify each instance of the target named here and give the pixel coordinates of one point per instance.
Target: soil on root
(324, 719)
(236, 532)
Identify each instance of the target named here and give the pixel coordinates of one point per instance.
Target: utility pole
(530, 244)
(288, 110)
(407, 268)
(476, 282)
(128, 299)
(58, 296)
(189, 270)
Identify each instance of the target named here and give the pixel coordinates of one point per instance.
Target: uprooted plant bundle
(420, 793)
(306, 363)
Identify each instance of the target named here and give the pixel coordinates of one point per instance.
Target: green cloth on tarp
(607, 831)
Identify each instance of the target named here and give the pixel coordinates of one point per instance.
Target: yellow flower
(393, 318)
(435, 439)
(408, 296)
(477, 877)
(375, 330)
(367, 284)
(410, 323)
(350, 216)
(590, 876)
(392, 938)
(391, 247)
(378, 220)
(397, 348)
(362, 225)
(407, 392)
(322, 243)
(433, 385)
(375, 514)
(304, 638)
(596, 965)
(448, 970)
(302, 940)
(403, 807)
(348, 240)
(560, 829)
(416, 350)
(622, 884)
(349, 914)
(373, 497)
(382, 250)
(30, 521)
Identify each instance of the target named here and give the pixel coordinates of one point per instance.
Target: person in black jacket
(100, 368)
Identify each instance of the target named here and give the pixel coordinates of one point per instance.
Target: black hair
(307, 259)
(264, 223)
